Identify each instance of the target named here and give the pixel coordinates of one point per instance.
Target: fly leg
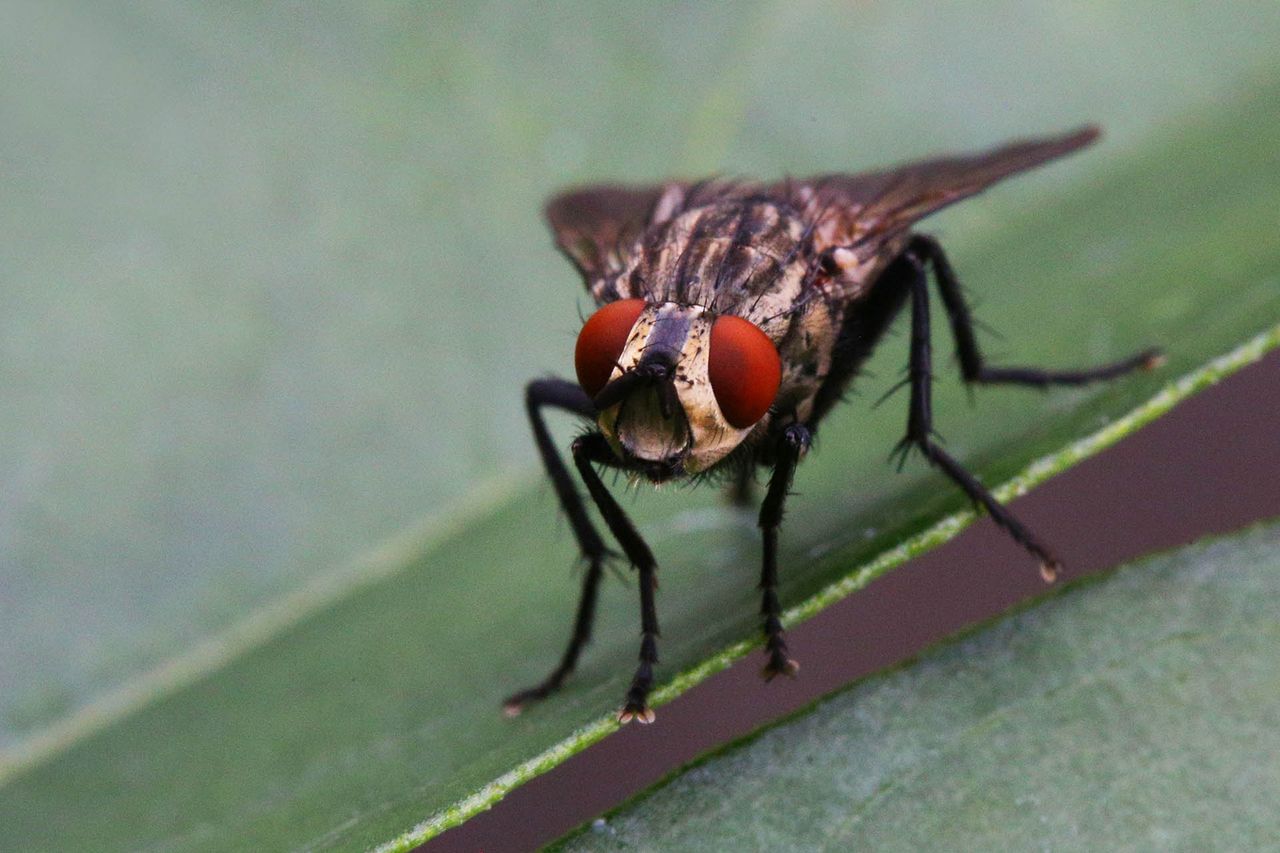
(558, 393)
(920, 422)
(592, 448)
(792, 444)
(742, 487)
(972, 365)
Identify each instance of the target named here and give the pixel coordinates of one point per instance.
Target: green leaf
(274, 282)
(1142, 710)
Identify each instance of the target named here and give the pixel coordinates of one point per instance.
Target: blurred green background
(273, 275)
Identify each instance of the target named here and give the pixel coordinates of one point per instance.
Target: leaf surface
(276, 278)
(1139, 711)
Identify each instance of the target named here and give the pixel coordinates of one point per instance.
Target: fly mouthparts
(658, 369)
(612, 394)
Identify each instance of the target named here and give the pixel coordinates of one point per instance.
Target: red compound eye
(601, 341)
(745, 370)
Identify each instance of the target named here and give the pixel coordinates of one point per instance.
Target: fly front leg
(920, 421)
(792, 444)
(559, 394)
(589, 449)
(741, 491)
(973, 366)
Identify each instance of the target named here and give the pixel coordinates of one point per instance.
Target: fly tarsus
(636, 706)
(973, 367)
(1050, 565)
(582, 623)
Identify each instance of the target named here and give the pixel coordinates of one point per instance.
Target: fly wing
(596, 226)
(867, 210)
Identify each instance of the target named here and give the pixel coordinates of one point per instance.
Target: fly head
(677, 387)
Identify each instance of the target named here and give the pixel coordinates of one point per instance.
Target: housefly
(731, 318)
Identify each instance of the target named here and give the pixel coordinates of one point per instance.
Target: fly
(732, 317)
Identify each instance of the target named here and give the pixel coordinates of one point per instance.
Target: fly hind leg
(973, 366)
(910, 266)
(920, 419)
